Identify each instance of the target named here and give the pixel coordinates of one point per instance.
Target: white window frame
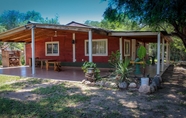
(106, 54)
(52, 52)
(128, 41)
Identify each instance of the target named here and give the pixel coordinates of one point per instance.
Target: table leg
(41, 64)
(46, 65)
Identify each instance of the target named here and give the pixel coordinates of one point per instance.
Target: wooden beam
(62, 27)
(11, 32)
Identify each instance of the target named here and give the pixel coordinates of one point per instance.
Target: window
(52, 48)
(99, 47)
(126, 47)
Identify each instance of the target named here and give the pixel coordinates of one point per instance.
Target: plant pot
(90, 70)
(144, 81)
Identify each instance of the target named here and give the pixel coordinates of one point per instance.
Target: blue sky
(67, 10)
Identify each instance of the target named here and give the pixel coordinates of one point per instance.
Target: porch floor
(67, 73)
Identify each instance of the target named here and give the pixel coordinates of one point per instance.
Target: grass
(74, 100)
(6, 78)
(5, 81)
(56, 102)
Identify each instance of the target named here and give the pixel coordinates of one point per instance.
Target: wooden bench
(57, 66)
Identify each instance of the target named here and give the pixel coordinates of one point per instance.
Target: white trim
(74, 47)
(25, 53)
(90, 45)
(134, 33)
(46, 48)
(121, 49)
(162, 55)
(33, 49)
(91, 48)
(167, 53)
(158, 54)
(128, 47)
(133, 49)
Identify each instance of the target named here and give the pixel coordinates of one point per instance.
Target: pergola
(34, 31)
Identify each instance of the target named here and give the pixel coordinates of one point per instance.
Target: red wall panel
(66, 51)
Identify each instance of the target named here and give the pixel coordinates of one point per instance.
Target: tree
(114, 25)
(11, 19)
(33, 16)
(155, 13)
(92, 23)
(52, 20)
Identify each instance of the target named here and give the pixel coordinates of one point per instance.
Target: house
(70, 44)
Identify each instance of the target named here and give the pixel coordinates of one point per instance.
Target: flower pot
(144, 81)
(90, 70)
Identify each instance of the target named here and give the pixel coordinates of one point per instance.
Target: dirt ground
(168, 102)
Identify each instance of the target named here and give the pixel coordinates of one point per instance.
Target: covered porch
(77, 36)
(67, 73)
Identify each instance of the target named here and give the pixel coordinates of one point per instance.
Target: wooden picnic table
(47, 62)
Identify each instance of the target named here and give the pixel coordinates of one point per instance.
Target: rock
(132, 89)
(107, 84)
(113, 85)
(87, 82)
(123, 85)
(154, 84)
(118, 77)
(159, 78)
(97, 83)
(157, 81)
(102, 83)
(83, 81)
(90, 76)
(144, 89)
(132, 85)
(152, 89)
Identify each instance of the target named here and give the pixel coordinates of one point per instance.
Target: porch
(67, 73)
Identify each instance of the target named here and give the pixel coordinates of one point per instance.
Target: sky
(66, 10)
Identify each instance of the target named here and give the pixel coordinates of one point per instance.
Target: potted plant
(92, 73)
(122, 72)
(141, 53)
(88, 67)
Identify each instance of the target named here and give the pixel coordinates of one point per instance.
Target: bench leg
(47, 65)
(55, 66)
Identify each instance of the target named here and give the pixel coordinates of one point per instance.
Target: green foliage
(56, 98)
(158, 15)
(178, 51)
(141, 52)
(6, 78)
(87, 65)
(127, 24)
(92, 23)
(122, 69)
(11, 19)
(114, 58)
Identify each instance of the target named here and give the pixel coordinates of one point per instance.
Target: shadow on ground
(75, 100)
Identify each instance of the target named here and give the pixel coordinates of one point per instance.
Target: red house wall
(66, 51)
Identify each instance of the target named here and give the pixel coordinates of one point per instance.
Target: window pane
(94, 47)
(49, 48)
(127, 48)
(98, 47)
(55, 48)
